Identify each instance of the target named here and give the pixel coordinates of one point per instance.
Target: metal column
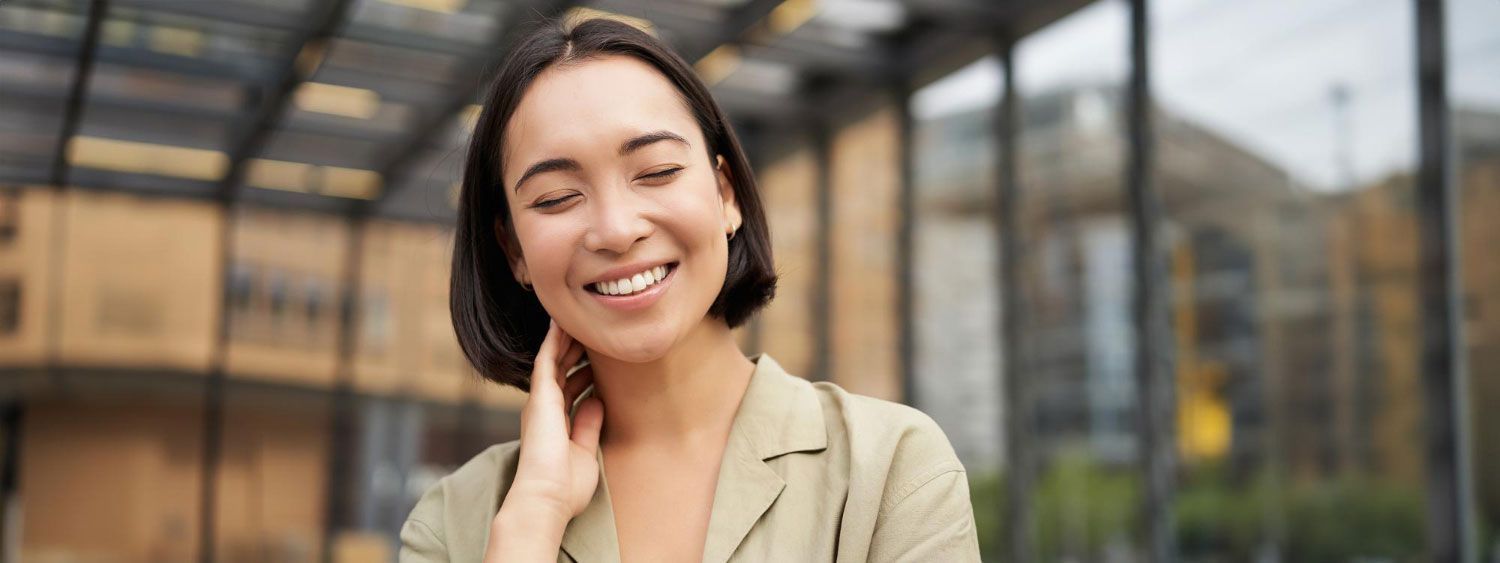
(1020, 466)
(12, 417)
(1450, 511)
(823, 239)
(906, 214)
(337, 514)
(1155, 379)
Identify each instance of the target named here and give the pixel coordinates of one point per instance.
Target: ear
(513, 255)
(732, 218)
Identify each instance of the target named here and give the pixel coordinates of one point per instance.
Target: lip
(637, 301)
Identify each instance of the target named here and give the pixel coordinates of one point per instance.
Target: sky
(1262, 74)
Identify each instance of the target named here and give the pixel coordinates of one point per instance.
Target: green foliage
(1083, 508)
(1080, 508)
(1342, 519)
(1355, 518)
(987, 492)
(1216, 519)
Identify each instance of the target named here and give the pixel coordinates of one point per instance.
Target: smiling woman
(607, 212)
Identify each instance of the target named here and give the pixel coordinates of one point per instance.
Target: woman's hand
(557, 471)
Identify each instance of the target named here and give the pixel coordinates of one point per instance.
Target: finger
(566, 362)
(543, 370)
(587, 423)
(577, 383)
(570, 358)
(552, 344)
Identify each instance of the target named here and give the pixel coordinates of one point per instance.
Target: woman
(608, 212)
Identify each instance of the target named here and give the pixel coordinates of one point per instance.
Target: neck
(687, 396)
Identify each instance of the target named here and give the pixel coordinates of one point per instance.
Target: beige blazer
(810, 473)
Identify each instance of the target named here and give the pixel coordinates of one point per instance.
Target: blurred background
(1198, 280)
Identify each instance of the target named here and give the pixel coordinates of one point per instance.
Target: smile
(636, 292)
(634, 284)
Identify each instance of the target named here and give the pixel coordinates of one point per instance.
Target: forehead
(594, 104)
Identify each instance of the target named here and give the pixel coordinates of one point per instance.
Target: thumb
(586, 423)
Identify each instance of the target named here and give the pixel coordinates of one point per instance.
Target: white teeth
(633, 284)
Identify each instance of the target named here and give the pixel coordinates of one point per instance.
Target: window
(10, 306)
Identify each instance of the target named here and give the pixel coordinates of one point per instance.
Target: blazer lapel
(779, 414)
(590, 536)
(747, 488)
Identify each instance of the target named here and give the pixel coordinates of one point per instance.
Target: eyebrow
(629, 146)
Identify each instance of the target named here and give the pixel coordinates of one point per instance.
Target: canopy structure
(360, 106)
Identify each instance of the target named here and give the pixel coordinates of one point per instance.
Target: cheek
(694, 210)
(547, 246)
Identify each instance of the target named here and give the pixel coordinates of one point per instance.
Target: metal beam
(83, 70)
(302, 59)
(244, 68)
(432, 123)
(737, 26)
(1450, 510)
(243, 13)
(1155, 379)
(854, 63)
(99, 101)
(260, 16)
(965, 14)
(1017, 17)
(390, 37)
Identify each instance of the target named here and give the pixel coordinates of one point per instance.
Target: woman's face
(620, 215)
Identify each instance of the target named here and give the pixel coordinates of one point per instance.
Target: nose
(617, 220)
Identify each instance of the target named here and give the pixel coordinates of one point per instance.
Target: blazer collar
(779, 414)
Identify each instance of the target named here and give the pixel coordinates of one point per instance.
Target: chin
(638, 346)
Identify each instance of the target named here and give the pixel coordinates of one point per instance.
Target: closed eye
(552, 202)
(668, 173)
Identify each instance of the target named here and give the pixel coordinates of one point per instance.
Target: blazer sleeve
(422, 537)
(933, 522)
(421, 544)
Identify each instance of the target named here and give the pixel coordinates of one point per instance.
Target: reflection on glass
(1285, 134)
(1474, 98)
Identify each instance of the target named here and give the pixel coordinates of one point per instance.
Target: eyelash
(668, 173)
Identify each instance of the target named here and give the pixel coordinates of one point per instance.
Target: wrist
(524, 531)
(532, 514)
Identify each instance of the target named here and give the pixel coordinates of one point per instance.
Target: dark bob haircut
(500, 324)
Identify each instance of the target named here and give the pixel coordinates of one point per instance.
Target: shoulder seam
(917, 483)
